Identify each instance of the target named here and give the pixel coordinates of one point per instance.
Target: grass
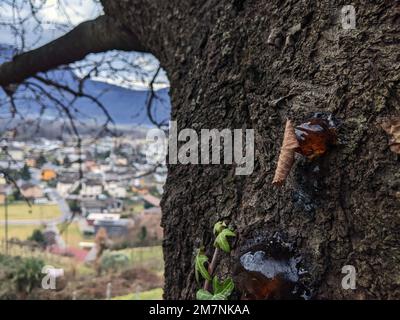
(21, 232)
(51, 259)
(21, 211)
(133, 209)
(147, 257)
(154, 294)
(72, 235)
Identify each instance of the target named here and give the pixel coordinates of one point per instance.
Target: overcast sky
(56, 21)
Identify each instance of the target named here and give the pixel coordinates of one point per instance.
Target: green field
(21, 211)
(72, 235)
(148, 257)
(20, 232)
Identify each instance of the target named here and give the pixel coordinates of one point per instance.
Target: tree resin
(315, 137)
(270, 272)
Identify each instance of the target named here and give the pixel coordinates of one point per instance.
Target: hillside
(126, 106)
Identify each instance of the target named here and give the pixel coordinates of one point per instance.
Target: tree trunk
(252, 64)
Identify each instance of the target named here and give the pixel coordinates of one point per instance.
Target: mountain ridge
(125, 106)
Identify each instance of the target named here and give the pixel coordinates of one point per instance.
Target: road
(62, 204)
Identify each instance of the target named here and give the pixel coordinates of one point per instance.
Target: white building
(65, 187)
(115, 189)
(16, 154)
(91, 188)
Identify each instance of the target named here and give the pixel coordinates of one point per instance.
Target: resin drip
(315, 137)
(270, 268)
(269, 272)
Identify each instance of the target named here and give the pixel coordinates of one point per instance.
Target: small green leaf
(217, 287)
(218, 227)
(227, 287)
(221, 240)
(199, 267)
(202, 294)
(218, 296)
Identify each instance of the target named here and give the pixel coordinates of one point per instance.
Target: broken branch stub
(286, 156)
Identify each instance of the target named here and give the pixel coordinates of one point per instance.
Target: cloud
(56, 16)
(70, 11)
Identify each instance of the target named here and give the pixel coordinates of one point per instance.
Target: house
(114, 205)
(16, 154)
(105, 166)
(66, 186)
(91, 188)
(115, 189)
(31, 191)
(140, 190)
(108, 205)
(92, 166)
(122, 161)
(95, 169)
(30, 162)
(93, 217)
(120, 169)
(89, 164)
(111, 175)
(115, 228)
(48, 174)
(93, 206)
(75, 166)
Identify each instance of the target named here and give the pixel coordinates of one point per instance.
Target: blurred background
(78, 191)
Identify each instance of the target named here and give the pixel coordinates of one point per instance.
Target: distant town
(108, 183)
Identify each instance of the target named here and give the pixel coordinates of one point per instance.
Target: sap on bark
(312, 139)
(270, 271)
(315, 136)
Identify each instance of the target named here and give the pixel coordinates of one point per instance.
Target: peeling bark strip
(286, 156)
(98, 35)
(392, 128)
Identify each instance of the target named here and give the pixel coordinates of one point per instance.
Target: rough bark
(224, 74)
(227, 72)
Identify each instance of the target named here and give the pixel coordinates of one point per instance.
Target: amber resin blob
(311, 139)
(270, 271)
(315, 137)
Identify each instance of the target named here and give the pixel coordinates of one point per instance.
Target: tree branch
(98, 35)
